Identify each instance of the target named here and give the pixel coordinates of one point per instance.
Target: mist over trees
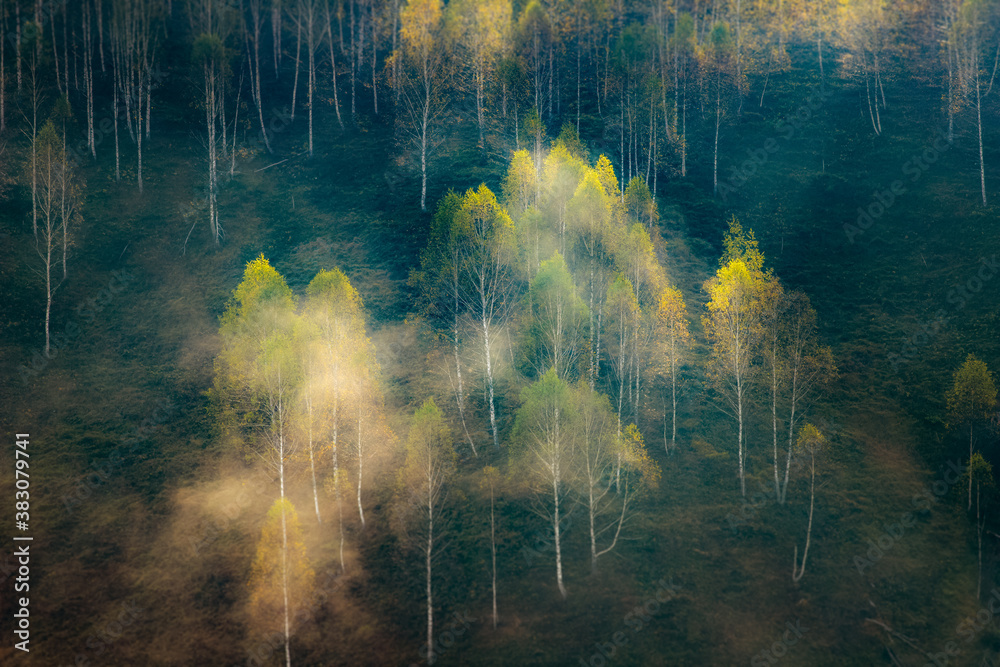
(557, 335)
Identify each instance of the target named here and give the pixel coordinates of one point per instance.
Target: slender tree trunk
(493, 549)
(312, 464)
(17, 44)
(48, 294)
(556, 527)
(374, 62)
(489, 377)
(819, 54)
(276, 32)
(284, 535)
(718, 121)
(361, 461)
(951, 99)
(590, 515)
(579, 57)
(55, 53)
(979, 536)
(118, 171)
(979, 127)
(333, 72)
(673, 393)
(791, 425)
(739, 410)
(298, 61)
(460, 395)
(774, 416)
(336, 479)
(970, 463)
(797, 570)
(430, 598)
(684, 111)
(354, 63)
(312, 85)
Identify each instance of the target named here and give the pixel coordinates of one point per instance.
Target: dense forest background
(318, 310)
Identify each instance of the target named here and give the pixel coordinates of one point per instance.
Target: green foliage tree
(430, 463)
(639, 203)
(590, 224)
(57, 197)
(487, 239)
(973, 395)
(980, 474)
(542, 452)
(602, 453)
(519, 185)
(554, 320)
(674, 337)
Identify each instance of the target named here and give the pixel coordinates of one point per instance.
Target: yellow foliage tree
(280, 575)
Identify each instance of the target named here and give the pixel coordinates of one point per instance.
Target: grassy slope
(156, 340)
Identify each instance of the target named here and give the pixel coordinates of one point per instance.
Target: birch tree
(624, 314)
(336, 311)
(309, 26)
(280, 575)
(980, 474)
(865, 31)
(974, 34)
(599, 448)
(733, 325)
(491, 480)
(487, 248)
(439, 281)
(543, 450)
(590, 221)
(554, 330)
(57, 195)
(481, 30)
(811, 441)
(257, 376)
(210, 55)
(721, 64)
(971, 398)
(430, 463)
(674, 337)
(252, 12)
(135, 28)
(422, 79)
(807, 366)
